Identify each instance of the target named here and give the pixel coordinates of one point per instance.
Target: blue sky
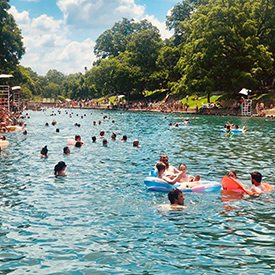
(61, 34)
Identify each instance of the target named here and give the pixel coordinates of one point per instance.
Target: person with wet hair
(175, 197)
(78, 144)
(124, 138)
(59, 169)
(44, 152)
(66, 150)
(94, 139)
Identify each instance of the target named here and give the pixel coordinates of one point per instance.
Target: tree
(224, 51)
(114, 41)
(11, 45)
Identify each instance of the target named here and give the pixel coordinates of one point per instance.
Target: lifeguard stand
(247, 107)
(16, 95)
(5, 96)
(5, 93)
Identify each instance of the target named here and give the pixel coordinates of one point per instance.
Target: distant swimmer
(44, 152)
(102, 134)
(59, 169)
(94, 139)
(113, 136)
(66, 150)
(104, 142)
(124, 138)
(136, 143)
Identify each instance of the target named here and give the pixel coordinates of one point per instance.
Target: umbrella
(5, 75)
(245, 91)
(16, 88)
(120, 96)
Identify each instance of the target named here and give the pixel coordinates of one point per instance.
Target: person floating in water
(44, 152)
(59, 169)
(258, 187)
(176, 199)
(66, 150)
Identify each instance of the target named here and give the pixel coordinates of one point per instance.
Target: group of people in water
(59, 169)
(172, 175)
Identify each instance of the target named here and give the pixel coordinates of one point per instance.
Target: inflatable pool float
(233, 131)
(229, 183)
(4, 143)
(70, 141)
(183, 124)
(159, 185)
(14, 128)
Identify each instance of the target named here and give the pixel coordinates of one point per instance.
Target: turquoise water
(100, 219)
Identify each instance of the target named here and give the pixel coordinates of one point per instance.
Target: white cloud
(94, 13)
(165, 33)
(54, 44)
(48, 47)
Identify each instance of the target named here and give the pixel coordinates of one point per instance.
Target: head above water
(66, 150)
(60, 166)
(160, 166)
(77, 138)
(94, 138)
(232, 174)
(257, 176)
(44, 151)
(175, 197)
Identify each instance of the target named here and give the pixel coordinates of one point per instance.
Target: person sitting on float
(169, 169)
(187, 178)
(161, 170)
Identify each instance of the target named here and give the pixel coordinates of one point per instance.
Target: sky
(61, 34)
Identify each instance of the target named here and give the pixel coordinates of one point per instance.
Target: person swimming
(59, 169)
(44, 152)
(66, 150)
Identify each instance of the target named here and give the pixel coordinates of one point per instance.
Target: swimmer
(161, 169)
(136, 143)
(53, 122)
(77, 139)
(44, 152)
(2, 138)
(104, 142)
(124, 138)
(169, 169)
(24, 132)
(187, 178)
(232, 174)
(176, 198)
(101, 133)
(46, 124)
(57, 130)
(113, 136)
(78, 144)
(59, 169)
(94, 139)
(66, 150)
(256, 178)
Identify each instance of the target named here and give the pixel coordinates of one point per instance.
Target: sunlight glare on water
(100, 219)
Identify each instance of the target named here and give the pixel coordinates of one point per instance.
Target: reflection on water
(99, 219)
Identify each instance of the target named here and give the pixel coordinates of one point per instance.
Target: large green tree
(11, 45)
(226, 49)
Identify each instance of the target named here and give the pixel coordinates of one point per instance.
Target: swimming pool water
(100, 219)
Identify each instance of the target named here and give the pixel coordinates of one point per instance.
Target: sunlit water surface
(100, 219)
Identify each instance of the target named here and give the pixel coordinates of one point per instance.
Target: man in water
(256, 178)
(176, 198)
